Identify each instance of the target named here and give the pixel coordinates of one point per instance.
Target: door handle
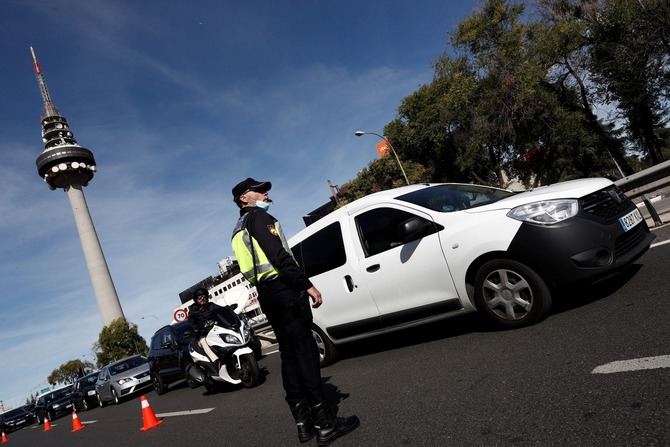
(373, 268)
(350, 283)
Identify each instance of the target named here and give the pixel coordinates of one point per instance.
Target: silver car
(122, 378)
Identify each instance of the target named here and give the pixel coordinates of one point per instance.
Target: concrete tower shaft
(65, 164)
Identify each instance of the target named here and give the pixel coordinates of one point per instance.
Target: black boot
(303, 421)
(330, 427)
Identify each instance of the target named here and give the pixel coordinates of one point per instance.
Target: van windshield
(454, 197)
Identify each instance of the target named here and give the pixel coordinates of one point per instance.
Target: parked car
(17, 418)
(84, 395)
(420, 253)
(121, 379)
(54, 404)
(168, 355)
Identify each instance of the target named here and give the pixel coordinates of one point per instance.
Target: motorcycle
(236, 347)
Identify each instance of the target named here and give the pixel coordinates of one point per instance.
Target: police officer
(284, 293)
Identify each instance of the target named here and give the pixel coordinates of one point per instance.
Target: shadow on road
(446, 328)
(574, 297)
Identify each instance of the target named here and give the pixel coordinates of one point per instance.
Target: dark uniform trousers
(290, 315)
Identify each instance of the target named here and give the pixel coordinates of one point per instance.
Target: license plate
(144, 379)
(630, 220)
(91, 393)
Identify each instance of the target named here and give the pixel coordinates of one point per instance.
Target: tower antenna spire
(49, 107)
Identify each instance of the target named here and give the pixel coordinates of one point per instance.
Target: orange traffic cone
(4, 438)
(76, 425)
(47, 425)
(149, 420)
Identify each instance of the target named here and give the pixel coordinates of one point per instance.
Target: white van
(420, 253)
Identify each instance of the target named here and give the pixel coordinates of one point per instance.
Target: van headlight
(547, 212)
(122, 381)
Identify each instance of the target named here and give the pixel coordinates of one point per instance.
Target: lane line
(184, 413)
(89, 422)
(272, 352)
(661, 361)
(658, 244)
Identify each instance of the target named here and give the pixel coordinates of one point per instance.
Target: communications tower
(64, 164)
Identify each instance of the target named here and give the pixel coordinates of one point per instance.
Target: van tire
(327, 350)
(511, 294)
(159, 386)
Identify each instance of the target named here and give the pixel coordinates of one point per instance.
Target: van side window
(322, 251)
(381, 229)
(156, 341)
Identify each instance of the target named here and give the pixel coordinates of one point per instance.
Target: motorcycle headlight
(547, 212)
(122, 381)
(231, 339)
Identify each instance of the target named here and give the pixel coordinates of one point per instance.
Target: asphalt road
(457, 383)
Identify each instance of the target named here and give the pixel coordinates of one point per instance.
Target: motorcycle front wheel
(250, 373)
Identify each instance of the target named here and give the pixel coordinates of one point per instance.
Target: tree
(380, 174)
(433, 123)
(562, 41)
(68, 372)
(117, 340)
(620, 49)
(629, 60)
(32, 398)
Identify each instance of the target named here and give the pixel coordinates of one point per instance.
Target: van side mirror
(415, 228)
(233, 306)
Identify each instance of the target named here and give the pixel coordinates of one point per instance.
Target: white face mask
(263, 205)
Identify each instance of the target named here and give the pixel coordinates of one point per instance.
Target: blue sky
(178, 102)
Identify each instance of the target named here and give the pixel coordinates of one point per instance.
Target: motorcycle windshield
(226, 317)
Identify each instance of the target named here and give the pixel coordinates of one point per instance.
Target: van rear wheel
(327, 350)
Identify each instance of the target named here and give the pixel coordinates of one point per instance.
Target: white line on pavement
(661, 361)
(89, 422)
(657, 244)
(184, 413)
(272, 352)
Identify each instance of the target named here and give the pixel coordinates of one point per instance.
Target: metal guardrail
(642, 183)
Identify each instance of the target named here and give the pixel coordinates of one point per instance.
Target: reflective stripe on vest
(242, 246)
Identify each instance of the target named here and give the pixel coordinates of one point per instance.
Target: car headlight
(230, 339)
(547, 212)
(122, 381)
(56, 406)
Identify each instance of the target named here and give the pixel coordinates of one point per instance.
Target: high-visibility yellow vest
(246, 248)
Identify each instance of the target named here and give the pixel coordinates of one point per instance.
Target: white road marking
(658, 244)
(89, 422)
(184, 413)
(272, 352)
(661, 361)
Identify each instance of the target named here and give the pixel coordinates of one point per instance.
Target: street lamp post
(360, 133)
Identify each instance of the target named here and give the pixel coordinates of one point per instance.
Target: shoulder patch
(273, 230)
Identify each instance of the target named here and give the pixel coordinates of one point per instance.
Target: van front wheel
(327, 350)
(511, 294)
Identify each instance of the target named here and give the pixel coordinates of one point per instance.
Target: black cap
(250, 185)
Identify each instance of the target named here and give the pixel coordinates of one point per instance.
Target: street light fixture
(360, 133)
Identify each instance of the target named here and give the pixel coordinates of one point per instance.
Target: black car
(17, 418)
(84, 395)
(54, 404)
(168, 355)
